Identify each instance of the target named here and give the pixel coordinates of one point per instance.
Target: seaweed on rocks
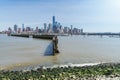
(100, 71)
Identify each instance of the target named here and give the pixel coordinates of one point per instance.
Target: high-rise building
(37, 30)
(61, 29)
(9, 30)
(54, 24)
(28, 29)
(49, 28)
(81, 31)
(53, 20)
(23, 29)
(15, 28)
(45, 27)
(66, 29)
(71, 31)
(19, 30)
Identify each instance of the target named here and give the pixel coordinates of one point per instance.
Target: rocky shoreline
(96, 71)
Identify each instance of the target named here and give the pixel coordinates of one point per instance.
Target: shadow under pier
(49, 50)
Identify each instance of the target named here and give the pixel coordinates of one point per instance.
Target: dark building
(15, 28)
(54, 25)
(45, 27)
(71, 31)
(28, 29)
(9, 29)
(23, 29)
(37, 30)
(40, 31)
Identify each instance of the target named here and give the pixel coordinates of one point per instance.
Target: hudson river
(19, 51)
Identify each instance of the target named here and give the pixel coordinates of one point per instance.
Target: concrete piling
(55, 45)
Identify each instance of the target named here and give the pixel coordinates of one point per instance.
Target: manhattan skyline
(91, 15)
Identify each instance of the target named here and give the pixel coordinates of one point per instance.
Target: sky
(91, 15)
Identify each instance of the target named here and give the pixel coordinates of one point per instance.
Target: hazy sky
(91, 15)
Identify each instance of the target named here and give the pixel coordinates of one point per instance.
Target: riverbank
(66, 72)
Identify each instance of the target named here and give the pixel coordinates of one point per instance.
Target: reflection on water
(73, 49)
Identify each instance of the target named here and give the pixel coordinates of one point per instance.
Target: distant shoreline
(2, 33)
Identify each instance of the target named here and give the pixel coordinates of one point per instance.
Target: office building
(15, 28)
(45, 27)
(50, 30)
(37, 30)
(9, 30)
(19, 30)
(23, 29)
(54, 25)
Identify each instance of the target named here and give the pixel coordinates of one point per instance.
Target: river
(19, 51)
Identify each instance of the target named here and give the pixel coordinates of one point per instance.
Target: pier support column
(55, 45)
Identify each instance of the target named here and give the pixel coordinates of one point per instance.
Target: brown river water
(18, 51)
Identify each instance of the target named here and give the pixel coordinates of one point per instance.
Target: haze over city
(91, 15)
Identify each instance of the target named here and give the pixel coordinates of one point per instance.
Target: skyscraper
(50, 28)
(53, 20)
(23, 29)
(45, 27)
(71, 29)
(54, 24)
(9, 30)
(15, 28)
(37, 30)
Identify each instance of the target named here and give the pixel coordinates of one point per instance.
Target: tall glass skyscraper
(53, 19)
(54, 26)
(23, 29)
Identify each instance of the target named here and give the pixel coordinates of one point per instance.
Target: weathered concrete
(49, 37)
(55, 45)
(20, 35)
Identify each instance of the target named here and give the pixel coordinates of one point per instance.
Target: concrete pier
(20, 35)
(53, 38)
(49, 37)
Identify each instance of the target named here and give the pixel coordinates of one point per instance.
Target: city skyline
(91, 15)
(48, 28)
